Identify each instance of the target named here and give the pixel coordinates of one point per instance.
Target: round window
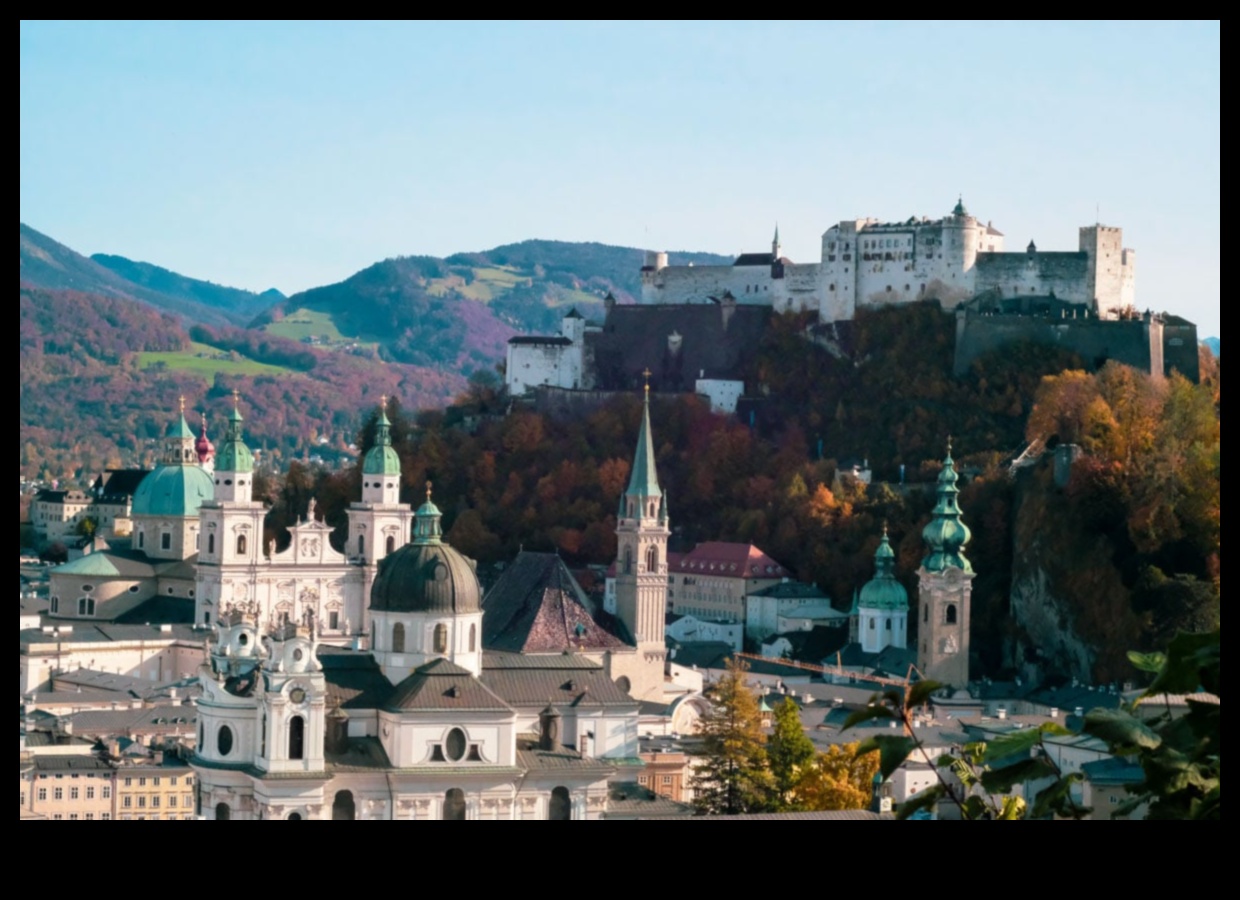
(243, 639)
(454, 746)
(87, 588)
(441, 572)
(297, 655)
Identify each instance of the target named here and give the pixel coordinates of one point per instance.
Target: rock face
(1049, 647)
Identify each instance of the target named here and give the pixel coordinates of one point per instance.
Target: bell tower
(945, 587)
(641, 546)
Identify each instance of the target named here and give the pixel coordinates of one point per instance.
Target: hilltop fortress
(698, 327)
(870, 263)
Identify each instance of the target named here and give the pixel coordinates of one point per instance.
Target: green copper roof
(960, 210)
(426, 523)
(234, 456)
(644, 482)
(96, 564)
(381, 459)
(179, 429)
(173, 490)
(945, 534)
(883, 591)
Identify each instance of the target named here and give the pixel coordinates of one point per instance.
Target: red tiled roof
(727, 560)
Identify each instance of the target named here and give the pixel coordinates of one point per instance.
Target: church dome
(173, 491)
(945, 534)
(883, 591)
(426, 578)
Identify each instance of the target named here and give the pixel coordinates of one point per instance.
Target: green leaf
(1129, 806)
(1192, 662)
(919, 693)
(926, 799)
(874, 711)
(1055, 728)
(1147, 662)
(1013, 743)
(1057, 798)
(975, 808)
(1002, 780)
(1120, 729)
(893, 750)
(1013, 809)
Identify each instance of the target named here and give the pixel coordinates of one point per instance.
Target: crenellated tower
(945, 587)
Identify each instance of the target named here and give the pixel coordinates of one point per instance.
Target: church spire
(381, 459)
(775, 245)
(179, 440)
(426, 528)
(644, 480)
(946, 535)
(234, 455)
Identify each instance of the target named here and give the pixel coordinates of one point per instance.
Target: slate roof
(754, 259)
(553, 339)
(537, 606)
(162, 610)
(354, 680)
(70, 764)
(107, 632)
(118, 484)
(151, 720)
(629, 800)
(636, 336)
(443, 685)
(529, 686)
(531, 758)
(792, 590)
(814, 645)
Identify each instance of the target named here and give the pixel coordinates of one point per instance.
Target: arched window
(294, 817)
(454, 805)
(222, 812)
(441, 638)
(241, 545)
(391, 543)
(888, 624)
(925, 613)
(361, 544)
(628, 560)
(560, 809)
(651, 513)
(55, 605)
(165, 541)
(473, 638)
(652, 558)
(398, 638)
(624, 684)
(262, 738)
(949, 615)
(141, 539)
(871, 624)
(224, 740)
(296, 738)
(342, 806)
(81, 606)
(210, 543)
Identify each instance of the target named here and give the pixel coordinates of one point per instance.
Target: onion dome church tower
(641, 563)
(945, 587)
(165, 506)
(426, 603)
(882, 605)
(232, 526)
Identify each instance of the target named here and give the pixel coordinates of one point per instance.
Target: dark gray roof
(354, 679)
(70, 764)
(814, 645)
(754, 259)
(635, 337)
(553, 339)
(496, 659)
(443, 685)
(539, 687)
(537, 606)
(161, 610)
(105, 632)
(430, 577)
(797, 590)
(531, 758)
(629, 800)
(151, 720)
(118, 484)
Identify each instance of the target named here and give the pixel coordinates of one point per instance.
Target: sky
(292, 155)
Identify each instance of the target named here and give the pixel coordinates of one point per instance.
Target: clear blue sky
(292, 155)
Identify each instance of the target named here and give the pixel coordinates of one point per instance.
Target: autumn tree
(788, 752)
(731, 776)
(838, 778)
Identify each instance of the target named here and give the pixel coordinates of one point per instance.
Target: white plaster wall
(722, 393)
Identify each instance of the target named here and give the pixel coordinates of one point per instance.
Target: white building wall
(722, 393)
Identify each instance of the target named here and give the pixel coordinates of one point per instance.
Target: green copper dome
(381, 459)
(179, 429)
(945, 534)
(883, 591)
(234, 456)
(173, 490)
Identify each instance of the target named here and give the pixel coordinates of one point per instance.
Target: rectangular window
(58, 793)
(165, 541)
(142, 782)
(667, 779)
(89, 816)
(106, 816)
(73, 817)
(142, 801)
(173, 781)
(42, 793)
(73, 793)
(155, 781)
(90, 793)
(128, 781)
(127, 802)
(107, 791)
(172, 801)
(155, 802)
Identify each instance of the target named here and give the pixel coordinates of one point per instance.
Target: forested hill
(238, 303)
(460, 311)
(45, 263)
(100, 376)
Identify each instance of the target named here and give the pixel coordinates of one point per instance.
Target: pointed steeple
(179, 441)
(644, 480)
(883, 591)
(775, 245)
(946, 535)
(381, 459)
(234, 455)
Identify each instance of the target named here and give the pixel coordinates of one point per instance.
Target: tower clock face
(297, 695)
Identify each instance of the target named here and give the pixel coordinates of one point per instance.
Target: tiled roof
(628, 800)
(70, 764)
(726, 560)
(538, 607)
(442, 685)
(495, 659)
(531, 758)
(539, 687)
(106, 632)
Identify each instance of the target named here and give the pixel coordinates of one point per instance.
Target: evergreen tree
(732, 775)
(789, 751)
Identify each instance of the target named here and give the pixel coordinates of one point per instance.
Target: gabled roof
(95, 564)
(354, 679)
(538, 680)
(443, 685)
(726, 560)
(537, 606)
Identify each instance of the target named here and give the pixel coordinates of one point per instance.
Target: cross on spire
(182, 404)
(383, 402)
(236, 398)
(646, 375)
(428, 490)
